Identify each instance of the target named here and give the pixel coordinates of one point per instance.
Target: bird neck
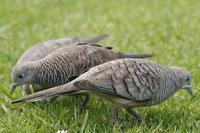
(168, 88)
(171, 84)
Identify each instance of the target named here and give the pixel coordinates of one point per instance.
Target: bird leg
(26, 89)
(133, 113)
(115, 108)
(84, 101)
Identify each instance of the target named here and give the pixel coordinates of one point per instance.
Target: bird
(126, 83)
(41, 50)
(64, 65)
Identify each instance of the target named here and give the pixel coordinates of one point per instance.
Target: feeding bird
(127, 83)
(64, 65)
(41, 50)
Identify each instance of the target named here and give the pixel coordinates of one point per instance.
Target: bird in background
(127, 83)
(41, 50)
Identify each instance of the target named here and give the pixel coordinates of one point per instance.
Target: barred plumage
(73, 62)
(126, 82)
(41, 50)
(65, 64)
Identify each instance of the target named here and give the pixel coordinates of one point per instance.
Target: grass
(170, 29)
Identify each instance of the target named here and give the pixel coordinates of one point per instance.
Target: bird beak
(14, 86)
(189, 89)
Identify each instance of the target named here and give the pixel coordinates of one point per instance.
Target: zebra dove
(41, 50)
(63, 65)
(127, 83)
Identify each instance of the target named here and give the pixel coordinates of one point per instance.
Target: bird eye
(20, 76)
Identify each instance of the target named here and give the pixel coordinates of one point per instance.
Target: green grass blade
(84, 122)
(5, 108)
(2, 101)
(5, 92)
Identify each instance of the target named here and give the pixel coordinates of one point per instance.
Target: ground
(170, 29)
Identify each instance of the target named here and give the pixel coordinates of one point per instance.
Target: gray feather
(135, 82)
(41, 50)
(58, 67)
(42, 95)
(95, 39)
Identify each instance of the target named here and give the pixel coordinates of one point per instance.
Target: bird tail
(95, 39)
(137, 55)
(66, 89)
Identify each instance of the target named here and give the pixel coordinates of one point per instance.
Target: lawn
(168, 28)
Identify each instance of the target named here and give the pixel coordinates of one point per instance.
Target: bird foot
(113, 120)
(137, 120)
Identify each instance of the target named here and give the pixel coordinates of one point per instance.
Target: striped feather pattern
(69, 61)
(140, 81)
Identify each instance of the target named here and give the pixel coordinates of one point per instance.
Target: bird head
(184, 79)
(22, 73)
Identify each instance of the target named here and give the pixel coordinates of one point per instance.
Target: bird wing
(95, 39)
(125, 82)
